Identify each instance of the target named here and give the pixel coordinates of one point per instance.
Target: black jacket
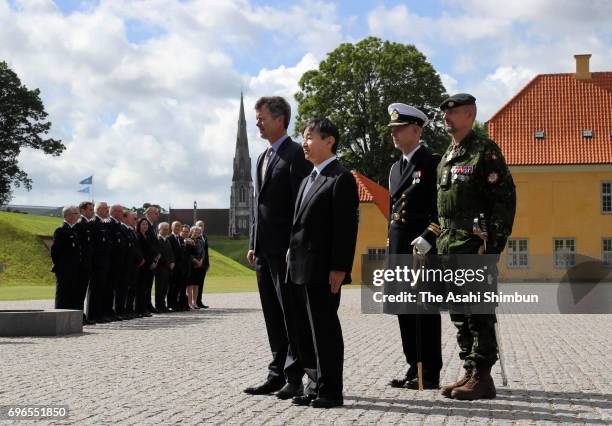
(275, 198)
(66, 252)
(324, 229)
(413, 205)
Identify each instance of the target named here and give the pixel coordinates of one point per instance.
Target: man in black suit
(413, 225)
(152, 215)
(178, 273)
(163, 272)
(101, 263)
(83, 228)
(206, 265)
(320, 259)
(118, 288)
(134, 261)
(280, 170)
(66, 257)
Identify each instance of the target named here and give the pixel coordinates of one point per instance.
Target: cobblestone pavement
(192, 367)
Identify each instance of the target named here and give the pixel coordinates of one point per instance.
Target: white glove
(421, 244)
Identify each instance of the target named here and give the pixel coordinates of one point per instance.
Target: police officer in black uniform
(83, 228)
(66, 256)
(101, 263)
(413, 227)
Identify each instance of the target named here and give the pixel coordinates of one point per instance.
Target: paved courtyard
(191, 368)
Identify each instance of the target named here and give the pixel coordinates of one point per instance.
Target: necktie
(404, 165)
(311, 180)
(266, 160)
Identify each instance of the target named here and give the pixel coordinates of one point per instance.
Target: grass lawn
(212, 284)
(234, 249)
(27, 265)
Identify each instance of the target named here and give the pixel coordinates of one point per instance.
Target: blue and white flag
(84, 190)
(87, 181)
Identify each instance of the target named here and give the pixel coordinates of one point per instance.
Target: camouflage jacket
(474, 179)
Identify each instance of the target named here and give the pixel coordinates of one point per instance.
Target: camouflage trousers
(476, 339)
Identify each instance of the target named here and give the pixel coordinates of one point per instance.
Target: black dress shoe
(400, 383)
(427, 384)
(303, 399)
(265, 389)
(326, 402)
(290, 390)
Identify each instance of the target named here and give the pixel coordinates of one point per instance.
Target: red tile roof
(561, 106)
(371, 192)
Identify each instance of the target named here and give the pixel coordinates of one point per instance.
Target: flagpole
(92, 191)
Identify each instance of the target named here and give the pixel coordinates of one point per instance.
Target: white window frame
(515, 257)
(604, 195)
(606, 255)
(565, 258)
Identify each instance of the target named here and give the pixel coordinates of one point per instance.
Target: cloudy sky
(145, 93)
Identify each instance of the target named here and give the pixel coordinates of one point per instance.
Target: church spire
(242, 160)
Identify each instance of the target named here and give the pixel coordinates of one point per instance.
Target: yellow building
(556, 135)
(373, 222)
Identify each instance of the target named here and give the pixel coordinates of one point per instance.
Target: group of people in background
(106, 259)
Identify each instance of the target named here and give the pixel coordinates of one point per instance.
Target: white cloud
(153, 120)
(494, 47)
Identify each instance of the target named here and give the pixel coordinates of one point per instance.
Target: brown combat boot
(480, 386)
(446, 390)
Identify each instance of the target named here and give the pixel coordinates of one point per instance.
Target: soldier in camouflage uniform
(473, 179)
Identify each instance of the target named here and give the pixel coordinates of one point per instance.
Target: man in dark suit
(118, 289)
(164, 268)
(413, 225)
(179, 272)
(280, 170)
(134, 261)
(101, 263)
(206, 262)
(83, 228)
(320, 259)
(152, 215)
(66, 257)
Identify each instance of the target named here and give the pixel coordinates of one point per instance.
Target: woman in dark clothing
(197, 267)
(146, 272)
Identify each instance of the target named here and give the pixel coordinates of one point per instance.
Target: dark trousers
(276, 298)
(143, 293)
(83, 284)
(320, 343)
(431, 343)
(98, 284)
(131, 287)
(162, 284)
(176, 284)
(66, 288)
(120, 290)
(201, 289)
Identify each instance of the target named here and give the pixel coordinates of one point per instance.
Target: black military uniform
(117, 290)
(413, 213)
(83, 229)
(132, 265)
(66, 257)
(101, 263)
(153, 249)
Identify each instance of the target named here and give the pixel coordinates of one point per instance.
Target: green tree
(23, 124)
(481, 129)
(354, 86)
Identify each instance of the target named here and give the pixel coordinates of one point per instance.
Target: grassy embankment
(26, 262)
